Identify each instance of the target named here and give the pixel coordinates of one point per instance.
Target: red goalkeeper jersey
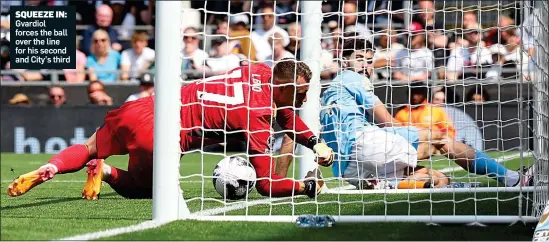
(235, 106)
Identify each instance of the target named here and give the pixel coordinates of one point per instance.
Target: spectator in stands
(516, 54)
(415, 63)
(478, 95)
(103, 21)
(100, 98)
(479, 54)
(129, 22)
(270, 28)
(437, 39)
(470, 19)
(146, 88)
(95, 86)
(294, 32)
(57, 96)
(193, 56)
(498, 52)
(136, 60)
(285, 9)
(457, 61)
(467, 130)
(350, 21)
(97, 94)
(279, 53)
(493, 36)
(385, 53)
(77, 75)
(422, 114)
(103, 62)
(239, 32)
(239, 28)
(223, 60)
(222, 27)
(20, 99)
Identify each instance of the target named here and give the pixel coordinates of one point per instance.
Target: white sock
(106, 171)
(52, 166)
(511, 178)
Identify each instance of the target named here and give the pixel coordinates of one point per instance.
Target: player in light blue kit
(367, 152)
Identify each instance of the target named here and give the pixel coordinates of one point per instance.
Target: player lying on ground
(363, 148)
(239, 102)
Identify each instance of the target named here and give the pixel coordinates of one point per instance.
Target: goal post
(539, 30)
(167, 198)
(345, 203)
(311, 21)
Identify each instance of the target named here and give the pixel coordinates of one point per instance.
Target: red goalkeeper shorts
(128, 129)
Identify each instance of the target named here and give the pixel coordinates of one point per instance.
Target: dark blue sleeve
(86, 40)
(113, 35)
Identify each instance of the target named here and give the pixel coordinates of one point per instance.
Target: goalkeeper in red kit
(241, 105)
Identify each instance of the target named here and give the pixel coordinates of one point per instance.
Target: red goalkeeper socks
(71, 159)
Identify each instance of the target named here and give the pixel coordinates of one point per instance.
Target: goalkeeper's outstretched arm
(382, 116)
(297, 130)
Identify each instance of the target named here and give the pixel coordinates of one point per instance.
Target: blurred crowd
(117, 42)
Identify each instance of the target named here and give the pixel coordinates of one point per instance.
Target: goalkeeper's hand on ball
(324, 154)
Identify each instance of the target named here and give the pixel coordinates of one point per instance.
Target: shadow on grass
(411, 231)
(257, 231)
(50, 201)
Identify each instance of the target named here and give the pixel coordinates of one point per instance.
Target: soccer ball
(234, 177)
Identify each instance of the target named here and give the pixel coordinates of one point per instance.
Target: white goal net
(483, 65)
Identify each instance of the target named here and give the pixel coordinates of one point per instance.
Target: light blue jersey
(344, 113)
(346, 107)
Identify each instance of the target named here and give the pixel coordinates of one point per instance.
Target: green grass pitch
(55, 210)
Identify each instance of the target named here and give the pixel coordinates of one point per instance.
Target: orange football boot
(25, 182)
(95, 177)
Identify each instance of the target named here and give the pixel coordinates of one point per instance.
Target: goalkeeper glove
(324, 153)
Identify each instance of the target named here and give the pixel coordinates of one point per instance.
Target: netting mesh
(484, 63)
(539, 29)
